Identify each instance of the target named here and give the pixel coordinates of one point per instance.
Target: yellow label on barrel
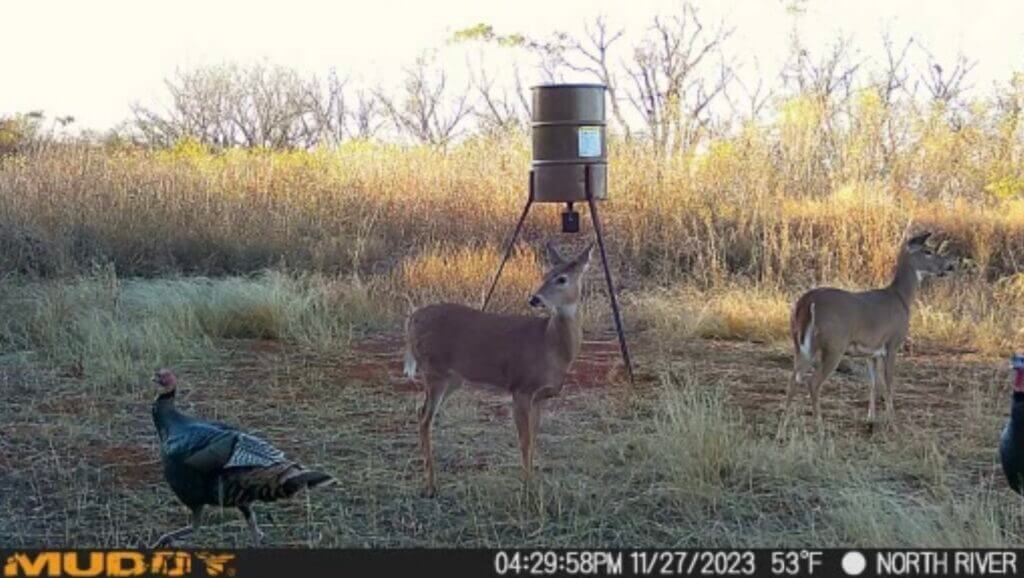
(589, 138)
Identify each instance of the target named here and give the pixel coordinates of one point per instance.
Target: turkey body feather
(1011, 445)
(208, 463)
(212, 463)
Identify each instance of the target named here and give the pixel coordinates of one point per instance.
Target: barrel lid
(569, 85)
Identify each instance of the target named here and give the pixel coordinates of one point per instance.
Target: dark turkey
(211, 463)
(1011, 446)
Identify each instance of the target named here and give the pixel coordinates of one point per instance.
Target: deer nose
(535, 301)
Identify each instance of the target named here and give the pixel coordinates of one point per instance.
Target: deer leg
(522, 412)
(872, 387)
(829, 362)
(197, 516)
(790, 387)
(254, 528)
(534, 426)
(884, 390)
(888, 363)
(436, 387)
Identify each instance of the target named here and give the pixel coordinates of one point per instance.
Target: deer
(828, 323)
(523, 355)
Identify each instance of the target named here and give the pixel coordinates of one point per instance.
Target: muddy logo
(116, 564)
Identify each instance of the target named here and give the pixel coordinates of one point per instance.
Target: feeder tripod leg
(508, 249)
(611, 285)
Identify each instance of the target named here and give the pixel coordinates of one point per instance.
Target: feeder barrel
(568, 135)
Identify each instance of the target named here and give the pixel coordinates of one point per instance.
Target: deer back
(506, 351)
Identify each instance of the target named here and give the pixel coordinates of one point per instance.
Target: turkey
(1011, 446)
(211, 463)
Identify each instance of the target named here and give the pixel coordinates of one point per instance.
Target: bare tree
(557, 55)
(201, 105)
(829, 77)
(894, 73)
(893, 81)
(366, 117)
(273, 108)
(946, 85)
(1009, 98)
(328, 118)
(258, 105)
(673, 87)
(501, 108)
(426, 109)
(756, 95)
(591, 55)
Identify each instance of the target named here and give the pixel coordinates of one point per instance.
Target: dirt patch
(133, 466)
(65, 404)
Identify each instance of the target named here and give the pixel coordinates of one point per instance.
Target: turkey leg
(197, 516)
(250, 518)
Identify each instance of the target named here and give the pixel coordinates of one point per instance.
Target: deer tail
(803, 334)
(808, 334)
(410, 358)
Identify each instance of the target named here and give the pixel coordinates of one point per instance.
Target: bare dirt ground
(79, 464)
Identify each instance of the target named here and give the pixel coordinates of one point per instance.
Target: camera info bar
(478, 563)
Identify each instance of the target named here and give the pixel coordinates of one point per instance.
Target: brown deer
(828, 323)
(523, 355)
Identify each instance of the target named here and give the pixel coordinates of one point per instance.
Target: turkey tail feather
(270, 484)
(306, 479)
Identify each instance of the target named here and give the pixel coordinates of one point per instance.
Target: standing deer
(827, 323)
(522, 355)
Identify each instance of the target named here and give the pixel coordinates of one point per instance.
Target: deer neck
(564, 332)
(905, 282)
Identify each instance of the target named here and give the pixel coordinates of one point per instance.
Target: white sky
(93, 58)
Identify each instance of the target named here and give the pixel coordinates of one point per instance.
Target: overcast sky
(92, 59)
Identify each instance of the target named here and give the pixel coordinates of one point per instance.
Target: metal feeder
(570, 165)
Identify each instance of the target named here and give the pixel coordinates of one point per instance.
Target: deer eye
(562, 280)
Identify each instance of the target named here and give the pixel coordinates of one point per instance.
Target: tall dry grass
(735, 227)
(763, 205)
(116, 331)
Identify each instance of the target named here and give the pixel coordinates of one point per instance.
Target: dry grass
(950, 314)
(116, 331)
(253, 272)
(463, 276)
(686, 459)
(742, 225)
(731, 313)
(732, 212)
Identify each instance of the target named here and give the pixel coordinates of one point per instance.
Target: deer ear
(583, 259)
(553, 257)
(917, 242)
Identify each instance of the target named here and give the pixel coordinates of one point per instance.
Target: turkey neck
(164, 412)
(1017, 409)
